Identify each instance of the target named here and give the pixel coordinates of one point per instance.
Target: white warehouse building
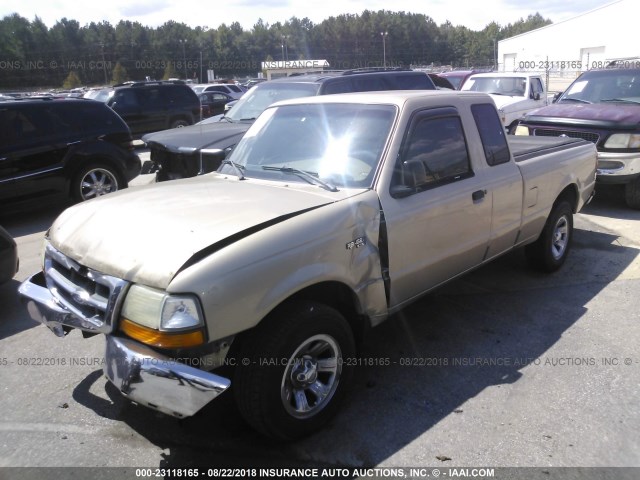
(564, 49)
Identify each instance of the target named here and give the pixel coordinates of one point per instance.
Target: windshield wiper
(496, 93)
(251, 119)
(574, 100)
(310, 177)
(237, 167)
(623, 100)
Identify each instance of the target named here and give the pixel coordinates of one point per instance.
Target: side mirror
(556, 97)
(536, 96)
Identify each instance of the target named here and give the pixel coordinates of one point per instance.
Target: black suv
(152, 106)
(200, 149)
(68, 147)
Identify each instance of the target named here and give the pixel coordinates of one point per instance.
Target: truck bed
(525, 148)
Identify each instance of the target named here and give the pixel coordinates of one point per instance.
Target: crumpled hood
(148, 233)
(619, 115)
(195, 137)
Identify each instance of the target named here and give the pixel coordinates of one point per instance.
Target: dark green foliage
(33, 56)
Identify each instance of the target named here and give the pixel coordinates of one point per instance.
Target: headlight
(157, 318)
(623, 140)
(522, 130)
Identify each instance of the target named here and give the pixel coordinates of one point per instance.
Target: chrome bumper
(612, 164)
(140, 373)
(44, 308)
(158, 382)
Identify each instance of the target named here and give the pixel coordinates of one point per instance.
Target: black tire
(95, 180)
(550, 251)
(295, 352)
(632, 193)
(179, 122)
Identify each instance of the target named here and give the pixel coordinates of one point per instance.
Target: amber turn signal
(159, 339)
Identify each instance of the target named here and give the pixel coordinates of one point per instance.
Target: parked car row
(230, 89)
(197, 150)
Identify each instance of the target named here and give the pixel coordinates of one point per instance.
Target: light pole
(285, 48)
(104, 65)
(384, 48)
(184, 56)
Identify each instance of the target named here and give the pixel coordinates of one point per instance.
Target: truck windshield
(615, 86)
(256, 100)
(511, 86)
(338, 144)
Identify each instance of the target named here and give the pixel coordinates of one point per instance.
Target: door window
(435, 153)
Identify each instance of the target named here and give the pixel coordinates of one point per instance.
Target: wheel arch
(339, 296)
(569, 194)
(333, 294)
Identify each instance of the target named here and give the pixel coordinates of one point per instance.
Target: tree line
(34, 55)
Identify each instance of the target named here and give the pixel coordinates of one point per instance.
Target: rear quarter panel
(546, 176)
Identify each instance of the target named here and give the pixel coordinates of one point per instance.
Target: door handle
(478, 195)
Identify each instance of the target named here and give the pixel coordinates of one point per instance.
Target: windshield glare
(595, 87)
(340, 144)
(511, 86)
(256, 100)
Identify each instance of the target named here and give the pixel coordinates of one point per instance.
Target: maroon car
(602, 106)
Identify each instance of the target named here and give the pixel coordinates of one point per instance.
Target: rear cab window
(492, 134)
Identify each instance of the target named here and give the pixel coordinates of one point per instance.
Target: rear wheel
(178, 123)
(632, 193)
(94, 181)
(550, 251)
(290, 375)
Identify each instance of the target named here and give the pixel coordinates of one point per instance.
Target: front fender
(243, 282)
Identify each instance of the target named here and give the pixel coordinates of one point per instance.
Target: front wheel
(550, 251)
(291, 374)
(94, 181)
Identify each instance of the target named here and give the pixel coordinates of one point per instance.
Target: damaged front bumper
(139, 372)
(159, 382)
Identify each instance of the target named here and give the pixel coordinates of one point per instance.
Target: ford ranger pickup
(266, 274)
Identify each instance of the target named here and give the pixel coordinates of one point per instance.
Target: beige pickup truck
(331, 214)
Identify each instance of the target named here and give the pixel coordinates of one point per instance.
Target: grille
(588, 136)
(91, 296)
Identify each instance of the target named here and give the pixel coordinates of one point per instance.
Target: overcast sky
(211, 14)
